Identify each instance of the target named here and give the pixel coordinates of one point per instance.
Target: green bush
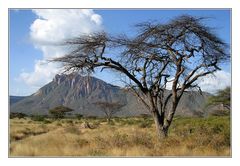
(39, 118)
(47, 121)
(79, 116)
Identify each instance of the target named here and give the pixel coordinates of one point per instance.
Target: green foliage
(39, 118)
(47, 121)
(79, 116)
(91, 117)
(222, 97)
(59, 112)
(17, 115)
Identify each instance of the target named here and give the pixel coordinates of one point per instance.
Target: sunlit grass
(122, 137)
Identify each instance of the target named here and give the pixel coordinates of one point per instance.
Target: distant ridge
(15, 99)
(80, 92)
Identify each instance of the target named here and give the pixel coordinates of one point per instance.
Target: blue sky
(33, 32)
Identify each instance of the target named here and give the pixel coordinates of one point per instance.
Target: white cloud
(212, 83)
(51, 28)
(42, 74)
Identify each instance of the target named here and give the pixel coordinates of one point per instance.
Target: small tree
(109, 108)
(59, 111)
(176, 54)
(223, 97)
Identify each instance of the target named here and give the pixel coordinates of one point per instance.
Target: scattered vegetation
(39, 118)
(17, 115)
(125, 137)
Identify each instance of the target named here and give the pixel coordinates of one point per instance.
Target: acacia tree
(59, 111)
(174, 54)
(109, 108)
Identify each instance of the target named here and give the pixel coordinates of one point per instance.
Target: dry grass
(123, 137)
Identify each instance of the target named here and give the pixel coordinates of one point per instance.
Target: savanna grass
(124, 137)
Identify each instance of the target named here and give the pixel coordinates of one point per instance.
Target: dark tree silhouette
(59, 111)
(174, 54)
(109, 108)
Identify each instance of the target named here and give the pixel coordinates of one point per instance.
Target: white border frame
(233, 4)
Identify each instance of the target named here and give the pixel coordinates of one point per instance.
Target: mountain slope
(80, 93)
(15, 99)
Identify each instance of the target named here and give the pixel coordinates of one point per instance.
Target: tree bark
(159, 124)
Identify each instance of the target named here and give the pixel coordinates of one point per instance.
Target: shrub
(79, 116)
(46, 121)
(69, 121)
(39, 118)
(145, 124)
(17, 115)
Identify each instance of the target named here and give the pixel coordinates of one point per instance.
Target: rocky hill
(81, 92)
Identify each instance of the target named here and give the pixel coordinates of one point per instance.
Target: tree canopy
(59, 111)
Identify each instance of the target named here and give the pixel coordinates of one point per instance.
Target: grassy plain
(123, 137)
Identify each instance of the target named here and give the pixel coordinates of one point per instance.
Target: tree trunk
(159, 123)
(108, 120)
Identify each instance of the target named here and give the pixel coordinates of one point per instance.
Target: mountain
(81, 92)
(15, 99)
